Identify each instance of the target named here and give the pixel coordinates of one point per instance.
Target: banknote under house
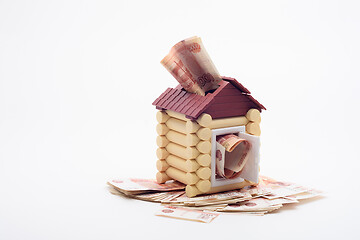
(187, 128)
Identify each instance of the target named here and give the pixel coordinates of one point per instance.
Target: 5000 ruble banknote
(190, 64)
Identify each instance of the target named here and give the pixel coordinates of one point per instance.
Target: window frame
(221, 131)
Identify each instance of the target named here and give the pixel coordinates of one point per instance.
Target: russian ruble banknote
(186, 214)
(190, 64)
(231, 155)
(137, 186)
(269, 195)
(253, 205)
(282, 189)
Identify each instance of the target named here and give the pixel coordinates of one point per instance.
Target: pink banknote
(231, 156)
(190, 64)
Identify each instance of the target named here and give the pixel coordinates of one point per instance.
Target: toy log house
(187, 129)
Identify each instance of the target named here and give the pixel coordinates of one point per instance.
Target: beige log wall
(185, 148)
(184, 151)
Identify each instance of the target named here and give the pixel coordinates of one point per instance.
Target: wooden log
(192, 127)
(183, 139)
(176, 115)
(204, 160)
(162, 117)
(177, 162)
(161, 165)
(182, 164)
(191, 178)
(191, 153)
(204, 133)
(162, 177)
(176, 137)
(176, 174)
(253, 128)
(203, 185)
(162, 141)
(204, 146)
(182, 126)
(191, 191)
(229, 122)
(177, 150)
(162, 153)
(204, 173)
(161, 129)
(204, 120)
(191, 139)
(183, 152)
(192, 165)
(177, 125)
(229, 187)
(253, 115)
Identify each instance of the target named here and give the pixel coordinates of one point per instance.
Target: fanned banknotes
(268, 196)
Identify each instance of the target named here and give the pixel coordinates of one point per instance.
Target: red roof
(230, 99)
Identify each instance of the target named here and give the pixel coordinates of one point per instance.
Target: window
(251, 169)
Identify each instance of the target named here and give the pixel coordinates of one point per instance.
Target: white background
(77, 79)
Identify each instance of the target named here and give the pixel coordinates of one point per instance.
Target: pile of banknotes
(268, 196)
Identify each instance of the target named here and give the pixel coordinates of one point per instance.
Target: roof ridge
(236, 84)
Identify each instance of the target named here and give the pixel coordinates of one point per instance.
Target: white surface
(251, 168)
(67, 119)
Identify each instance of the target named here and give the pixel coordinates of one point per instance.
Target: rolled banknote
(190, 64)
(230, 141)
(220, 160)
(238, 154)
